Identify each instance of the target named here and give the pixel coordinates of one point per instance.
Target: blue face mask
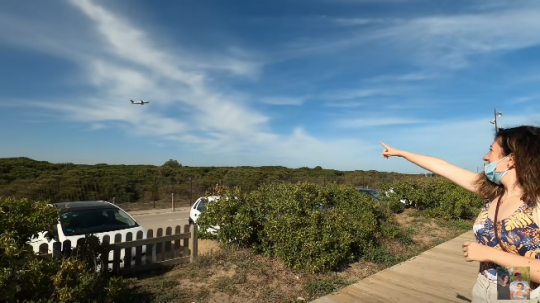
(492, 175)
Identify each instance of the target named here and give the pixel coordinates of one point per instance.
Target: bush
(26, 277)
(436, 197)
(307, 226)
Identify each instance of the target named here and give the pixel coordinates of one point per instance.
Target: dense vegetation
(306, 225)
(26, 277)
(312, 219)
(435, 198)
(41, 180)
(320, 228)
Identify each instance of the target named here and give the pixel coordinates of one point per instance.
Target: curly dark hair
(502, 276)
(523, 143)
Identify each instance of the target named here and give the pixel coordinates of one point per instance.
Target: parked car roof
(83, 205)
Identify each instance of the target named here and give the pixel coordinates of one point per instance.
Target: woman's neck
(512, 191)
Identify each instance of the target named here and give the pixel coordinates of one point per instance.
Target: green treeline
(41, 180)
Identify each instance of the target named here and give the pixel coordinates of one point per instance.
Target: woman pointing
(507, 228)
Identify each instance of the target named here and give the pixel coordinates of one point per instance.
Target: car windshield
(90, 221)
(372, 192)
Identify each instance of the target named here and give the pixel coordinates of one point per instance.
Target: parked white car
(99, 218)
(405, 202)
(199, 207)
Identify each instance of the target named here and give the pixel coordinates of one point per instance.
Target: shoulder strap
(497, 236)
(537, 212)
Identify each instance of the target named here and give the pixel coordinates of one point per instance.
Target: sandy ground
(207, 246)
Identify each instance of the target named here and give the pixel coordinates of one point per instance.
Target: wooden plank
(169, 254)
(350, 295)
(414, 290)
(451, 258)
(160, 254)
(116, 253)
(177, 231)
(193, 243)
(150, 241)
(420, 287)
(127, 252)
(138, 249)
(409, 273)
(335, 298)
(386, 294)
(149, 247)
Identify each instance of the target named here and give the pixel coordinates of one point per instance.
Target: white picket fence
(162, 250)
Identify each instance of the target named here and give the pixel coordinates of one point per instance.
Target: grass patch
(320, 287)
(455, 224)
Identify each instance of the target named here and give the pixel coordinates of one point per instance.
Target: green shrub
(436, 197)
(25, 277)
(306, 225)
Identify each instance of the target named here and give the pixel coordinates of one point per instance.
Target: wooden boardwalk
(440, 274)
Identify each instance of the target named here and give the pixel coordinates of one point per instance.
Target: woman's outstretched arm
(460, 176)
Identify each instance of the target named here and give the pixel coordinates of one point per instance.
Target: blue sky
(239, 82)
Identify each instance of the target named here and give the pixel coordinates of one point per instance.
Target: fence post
(194, 243)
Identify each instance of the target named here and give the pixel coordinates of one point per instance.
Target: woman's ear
(511, 163)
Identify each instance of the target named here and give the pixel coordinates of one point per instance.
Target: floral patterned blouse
(519, 234)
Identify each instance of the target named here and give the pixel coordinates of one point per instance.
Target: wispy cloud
(435, 42)
(451, 41)
(345, 104)
(356, 21)
(357, 93)
(526, 98)
(284, 100)
(375, 122)
(410, 77)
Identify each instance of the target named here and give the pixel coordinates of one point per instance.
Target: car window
(55, 232)
(202, 206)
(79, 222)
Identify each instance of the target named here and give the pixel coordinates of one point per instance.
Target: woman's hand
(473, 251)
(390, 151)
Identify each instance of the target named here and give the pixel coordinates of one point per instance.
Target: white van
(99, 218)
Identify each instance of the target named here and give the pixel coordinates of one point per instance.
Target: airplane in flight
(141, 103)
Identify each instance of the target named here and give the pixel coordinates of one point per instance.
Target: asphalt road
(163, 220)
